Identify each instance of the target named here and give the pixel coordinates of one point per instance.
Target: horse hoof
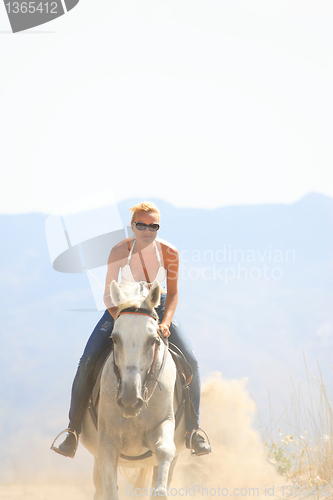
(161, 492)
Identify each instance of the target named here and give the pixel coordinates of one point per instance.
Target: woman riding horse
(138, 259)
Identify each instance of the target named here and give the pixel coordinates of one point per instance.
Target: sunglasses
(141, 226)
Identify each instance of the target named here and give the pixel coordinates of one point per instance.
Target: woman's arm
(114, 264)
(172, 267)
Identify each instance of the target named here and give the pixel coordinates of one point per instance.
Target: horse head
(136, 342)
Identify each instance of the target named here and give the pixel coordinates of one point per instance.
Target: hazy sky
(202, 103)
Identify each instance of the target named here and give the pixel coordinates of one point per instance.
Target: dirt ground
(46, 492)
(237, 462)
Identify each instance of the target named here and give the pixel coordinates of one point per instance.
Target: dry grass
(303, 449)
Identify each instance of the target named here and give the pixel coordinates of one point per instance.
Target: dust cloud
(237, 466)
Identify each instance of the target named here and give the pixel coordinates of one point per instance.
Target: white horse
(137, 405)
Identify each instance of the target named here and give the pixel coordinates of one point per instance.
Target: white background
(203, 103)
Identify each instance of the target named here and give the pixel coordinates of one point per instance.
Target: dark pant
(100, 337)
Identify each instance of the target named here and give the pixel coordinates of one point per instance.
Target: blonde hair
(145, 206)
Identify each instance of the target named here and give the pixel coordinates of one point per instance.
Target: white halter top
(126, 272)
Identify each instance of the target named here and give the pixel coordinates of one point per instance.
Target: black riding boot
(69, 446)
(197, 443)
(81, 391)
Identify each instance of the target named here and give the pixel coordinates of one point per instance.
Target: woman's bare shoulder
(121, 249)
(169, 250)
(165, 244)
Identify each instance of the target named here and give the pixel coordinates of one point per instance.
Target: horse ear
(154, 295)
(117, 296)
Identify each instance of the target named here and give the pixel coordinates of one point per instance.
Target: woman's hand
(164, 329)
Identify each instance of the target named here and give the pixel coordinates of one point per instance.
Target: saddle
(183, 379)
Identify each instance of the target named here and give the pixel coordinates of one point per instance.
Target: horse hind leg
(97, 482)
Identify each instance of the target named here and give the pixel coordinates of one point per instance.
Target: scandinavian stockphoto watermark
(228, 263)
(292, 490)
(80, 235)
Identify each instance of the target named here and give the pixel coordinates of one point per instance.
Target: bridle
(151, 371)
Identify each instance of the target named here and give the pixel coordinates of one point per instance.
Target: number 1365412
(32, 7)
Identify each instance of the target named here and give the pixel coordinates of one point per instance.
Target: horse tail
(144, 478)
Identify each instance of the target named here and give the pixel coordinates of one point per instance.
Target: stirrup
(193, 454)
(57, 450)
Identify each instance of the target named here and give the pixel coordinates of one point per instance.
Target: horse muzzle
(129, 400)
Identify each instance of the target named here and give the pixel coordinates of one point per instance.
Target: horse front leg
(107, 460)
(97, 482)
(161, 441)
(155, 476)
(171, 470)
